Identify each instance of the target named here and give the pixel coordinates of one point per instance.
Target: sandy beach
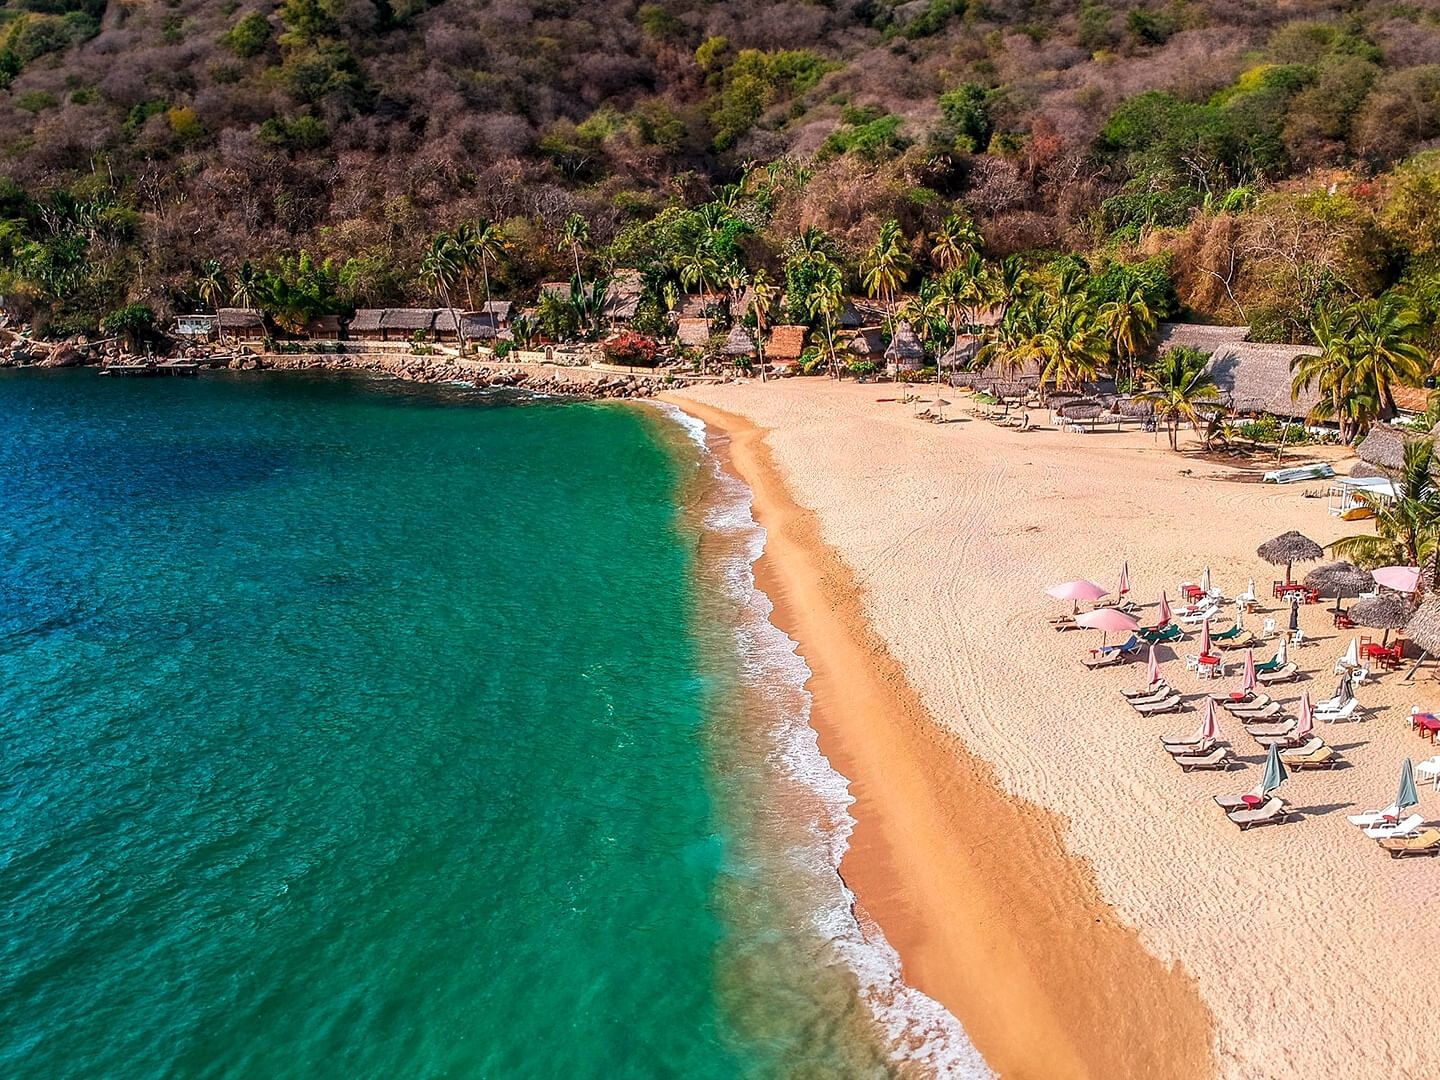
(1043, 868)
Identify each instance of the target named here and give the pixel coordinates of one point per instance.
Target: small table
(1209, 666)
(1251, 800)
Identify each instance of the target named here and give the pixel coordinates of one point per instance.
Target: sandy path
(1302, 938)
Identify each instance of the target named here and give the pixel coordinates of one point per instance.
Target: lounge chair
(1217, 758)
(1149, 691)
(1285, 740)
(1272, 811)
(1159, 695)
(1124, 649)
(1200, 614)
(1104, 660)
(1288, 673)
(1171, 704)
(1228, 635)
(1374, 817)
(1161, 635)
(1269, 665)
(1273, 727)
(1243, 640)
(1384, 830)
(1424, 842)
(1064, 622)
(1320, 758)
(1258, 716)
(1254, 703)
(1335, 716)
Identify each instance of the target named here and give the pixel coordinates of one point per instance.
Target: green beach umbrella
(1275, 773)
(1407, 795)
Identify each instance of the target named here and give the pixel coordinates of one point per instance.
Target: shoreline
(973, 887)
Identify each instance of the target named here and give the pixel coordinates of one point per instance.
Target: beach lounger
(1288, 673)
(1269, 665)
(1105, 660)
(1374, 817)
(1260, 715)
(1149, 691)
(1217, 758)
(1171, 704)
(1229, 635)
(1243, 640)
(1200, 615)
(1234, 802)
(1064, 622)
(1385, 830)
(1334, 716)
(1272, 811)
(1161, 635)
(1253, 705)
(1320, 758)
(1285, 740)
(1275, 727)
(1159, 695)
(1424, 842)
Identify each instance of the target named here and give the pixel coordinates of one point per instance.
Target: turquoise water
(352, 729)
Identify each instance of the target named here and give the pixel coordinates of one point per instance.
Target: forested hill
(1255, 143)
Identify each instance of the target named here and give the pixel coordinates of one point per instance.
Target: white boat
(1319, 470)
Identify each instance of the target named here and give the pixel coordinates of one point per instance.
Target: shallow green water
(356, 730)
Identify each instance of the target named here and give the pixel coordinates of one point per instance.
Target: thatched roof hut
(693, 306)
(1010, 391)
(1132, 407)
(1423, 628)
(860, 312)
(323, 327)
(622, 300)
(693, 333)
(447, 323)
(1288, 549)
(478, 326)
(1411, 399)
(1195, 336)
(961, 353)
(1363, 470)
(739, 343)
(1257, 378)
(365, 321)
(786, 343)
(241, 322)
(1082, 410)
(905, 350)
(1384, 447)
(868, 343)
(408, 320)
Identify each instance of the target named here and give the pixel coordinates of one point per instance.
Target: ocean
(353, 728)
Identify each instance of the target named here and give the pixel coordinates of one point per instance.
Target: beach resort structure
(1253, 378)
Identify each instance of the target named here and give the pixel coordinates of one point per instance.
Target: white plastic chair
(1268, 630)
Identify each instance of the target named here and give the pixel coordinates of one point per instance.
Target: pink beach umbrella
(1124, 586)
(1403, 579)
(1152, 670)
(1205, 638)
(1210, 725)
(1248, 680)
(1164, 615)
(1305, 722)
(1108, 619)
(1077, 591)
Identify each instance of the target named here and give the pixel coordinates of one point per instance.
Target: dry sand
(1104, 919)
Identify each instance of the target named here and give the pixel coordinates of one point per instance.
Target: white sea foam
(921, 1032)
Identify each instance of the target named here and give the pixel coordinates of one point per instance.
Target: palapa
(1340, 580)
(1386, 611)
(905, 349)
(1424, 626)
(739, 343)
(961, 353)
(1288, 549)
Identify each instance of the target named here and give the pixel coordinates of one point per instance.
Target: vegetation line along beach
(1009, 936)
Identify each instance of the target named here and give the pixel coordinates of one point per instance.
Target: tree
(1407, 527)
(1383, 339)
(954, 242)
(1069, 346)
(1366, 349)
(440, 268)
(763, 292)
(211, 284)
(1129, 325)
(827, 298)
(576, 234)
(246, 290)
(887, 264)
(1178, 386)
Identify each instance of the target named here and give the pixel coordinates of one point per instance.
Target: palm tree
(1383, 336)
(440, 267)
(487, 242)
(826, 299)
(576, 233)
(1129, 325)
(211, 284)
(1331, 371)
(887, 264)
(245, 292)
(1179, 385)
(1407, 527)
(762, 296)
(955, 241)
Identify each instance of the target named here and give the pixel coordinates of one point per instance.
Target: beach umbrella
(1205, 580)
(1385, 611)
(1283, 652)
(1240, 618)
(1248, 680)
(1275, 773)
(1107, 619)
(1124, 586)
(1289, 548)
(1205, 638)
(1164, 613)
(1077, 591)
(1294, 614)
(1423, 628)
(1152, 669)
(1210, 725)
(1352, 654)
(1407, 796)
(1403, 579)
(1305, 722)
(1340, 580)
(1251, 592)
(1344, 689)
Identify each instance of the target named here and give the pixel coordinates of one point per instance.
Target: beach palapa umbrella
(1289, 548)
(1248, 681)
(1340, 580)
(1275, 773)
(1407, 796)
(1386, 611)
(1423, 627)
